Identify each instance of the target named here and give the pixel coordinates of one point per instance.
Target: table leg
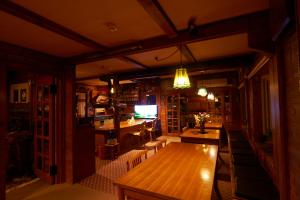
(121, 194)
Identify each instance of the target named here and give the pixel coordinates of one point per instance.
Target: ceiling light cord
(165, 58)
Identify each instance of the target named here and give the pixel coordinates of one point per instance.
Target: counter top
(123, 124)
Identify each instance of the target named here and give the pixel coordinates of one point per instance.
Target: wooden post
(69, 118)
(115, 96)
(3, 129)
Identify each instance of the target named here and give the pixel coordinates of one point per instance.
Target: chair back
(143, 128)
(136, 159)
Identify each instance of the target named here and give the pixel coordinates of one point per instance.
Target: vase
(202, 126)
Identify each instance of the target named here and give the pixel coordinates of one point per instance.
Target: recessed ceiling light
(111, 27)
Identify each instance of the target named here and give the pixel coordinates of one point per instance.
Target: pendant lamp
(211, 96)
(181, 79)
(202, 91)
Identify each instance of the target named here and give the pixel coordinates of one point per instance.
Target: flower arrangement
(201, 119)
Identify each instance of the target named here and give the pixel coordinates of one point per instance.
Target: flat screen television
(145, 111)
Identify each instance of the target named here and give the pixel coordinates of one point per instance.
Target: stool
(163, 139)
(155, 145)
(113, 150)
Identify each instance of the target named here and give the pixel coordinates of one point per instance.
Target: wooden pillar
(3, 129)
(115, 96)
(279, 131)
(69, 119)
(60, 128)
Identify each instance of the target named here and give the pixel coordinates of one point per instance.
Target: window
(265, 100)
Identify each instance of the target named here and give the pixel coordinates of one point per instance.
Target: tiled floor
(100, 185)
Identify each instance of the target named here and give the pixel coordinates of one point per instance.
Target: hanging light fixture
(112, 86)
(216, 99)
(202, 90)
(181, 79)
(211, 96)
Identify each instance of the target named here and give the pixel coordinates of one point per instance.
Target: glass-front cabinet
(173, 114)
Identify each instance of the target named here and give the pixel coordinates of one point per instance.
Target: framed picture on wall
(15, 96)
(19, 93)
(23, 95)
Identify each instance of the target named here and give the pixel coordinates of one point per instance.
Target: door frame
(3, 128)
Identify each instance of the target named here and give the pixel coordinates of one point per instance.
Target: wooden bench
(249, 179)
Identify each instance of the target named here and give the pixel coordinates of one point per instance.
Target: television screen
(145, 111)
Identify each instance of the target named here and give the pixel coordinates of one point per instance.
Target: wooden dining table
(178, 171)
(193, 135)
(213, 125)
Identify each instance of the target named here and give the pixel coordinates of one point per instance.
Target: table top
(180, 171)
(195, 133)
(213, 125)
(123, 124)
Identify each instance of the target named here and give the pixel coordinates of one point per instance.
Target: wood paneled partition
(3, 129)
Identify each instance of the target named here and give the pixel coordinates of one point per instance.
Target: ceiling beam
(157, 13)
(213, 30)
(225, 63)
(34, 18)
(128, 59)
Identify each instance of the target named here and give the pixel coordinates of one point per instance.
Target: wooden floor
(100, 185)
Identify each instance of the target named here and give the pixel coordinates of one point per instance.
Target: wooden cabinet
(129, 95)
(173, 114)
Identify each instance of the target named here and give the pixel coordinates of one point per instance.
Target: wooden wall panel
(3, 129)
(69, 102)
(280, 16)
(292, 85)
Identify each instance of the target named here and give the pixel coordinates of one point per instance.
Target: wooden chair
(151, 130)
(136, 159)
(140, 134)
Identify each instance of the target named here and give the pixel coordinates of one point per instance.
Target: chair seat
(149, 129)
(162, 138)
(137, 133)
(155, 145)
(151, 144)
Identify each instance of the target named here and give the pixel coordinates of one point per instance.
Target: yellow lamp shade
(181, 79)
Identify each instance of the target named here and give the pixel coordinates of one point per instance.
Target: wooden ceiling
(111, 37)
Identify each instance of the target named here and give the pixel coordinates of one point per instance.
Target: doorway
(30, 146)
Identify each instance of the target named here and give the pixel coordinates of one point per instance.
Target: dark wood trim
(3, 128)
(280, 16)
(60, 115)
(225, 63)
(297, 11)
(16, 54)
(213, 30)
(157, 13)
(32, 17)
(69, 120)
(259, 34)
(185, 50)
(277, 98)
(127, 59)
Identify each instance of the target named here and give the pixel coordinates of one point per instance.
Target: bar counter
(105, 132)
(123, 125)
